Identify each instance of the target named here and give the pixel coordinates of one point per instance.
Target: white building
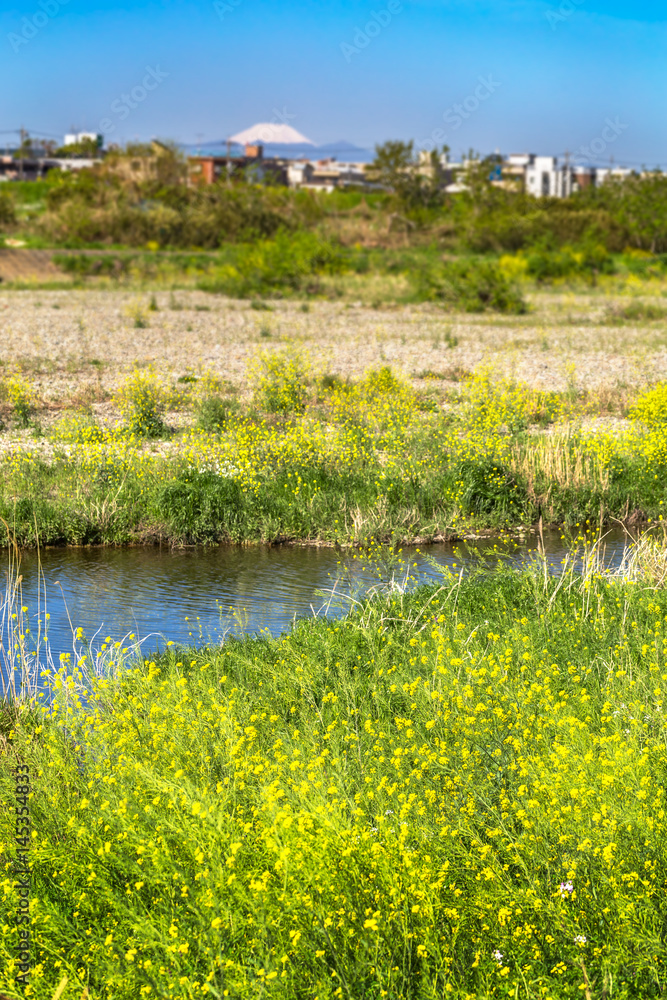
(73, 138)
(603, 174)
(546, 179)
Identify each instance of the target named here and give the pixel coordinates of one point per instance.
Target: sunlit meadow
(456, 791)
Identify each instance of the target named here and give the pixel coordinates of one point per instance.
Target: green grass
(319, 459)
(65, 503)
(458, 792)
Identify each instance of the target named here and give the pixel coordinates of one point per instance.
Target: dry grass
(556, 458)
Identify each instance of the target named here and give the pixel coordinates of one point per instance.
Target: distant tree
(398, 168)
(392, 163)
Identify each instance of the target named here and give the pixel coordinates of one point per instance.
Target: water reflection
(195, 595)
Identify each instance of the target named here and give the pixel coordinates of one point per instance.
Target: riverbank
(313, 459)
(452, 792)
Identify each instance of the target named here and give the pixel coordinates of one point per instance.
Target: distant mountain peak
(272, 134)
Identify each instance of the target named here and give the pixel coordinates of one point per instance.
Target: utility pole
(23, 135)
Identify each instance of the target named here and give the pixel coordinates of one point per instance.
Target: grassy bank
(309, 457)
(458, 792)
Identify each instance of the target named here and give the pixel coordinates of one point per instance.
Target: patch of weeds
(174, 305)
(141, 401)
(261, 306)
(265, 332)
(202, 506)
(651, 407)
(276, 267)
(187, 379)
(152, 305)
(547, 265)
(214, 412)
(55, 305)
(22, 398)
(635, 311)
(485, 488)
(202, 309)
(304, 307)
(457, 373)
(450, 340)
(138, 315)
(280, 382)
(331, 381)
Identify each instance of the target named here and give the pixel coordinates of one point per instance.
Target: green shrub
(469, 285)
(281, 266)
(486, 488)
(201, 506)
(142, 402)
(86, 265)
(547, 265)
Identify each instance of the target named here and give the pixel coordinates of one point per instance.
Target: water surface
(198, 595)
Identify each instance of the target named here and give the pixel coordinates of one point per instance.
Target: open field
(78, 342)
(458, 792)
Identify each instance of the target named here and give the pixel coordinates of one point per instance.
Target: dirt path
(27, 265)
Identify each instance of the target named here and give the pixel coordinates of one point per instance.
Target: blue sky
(554, 73)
